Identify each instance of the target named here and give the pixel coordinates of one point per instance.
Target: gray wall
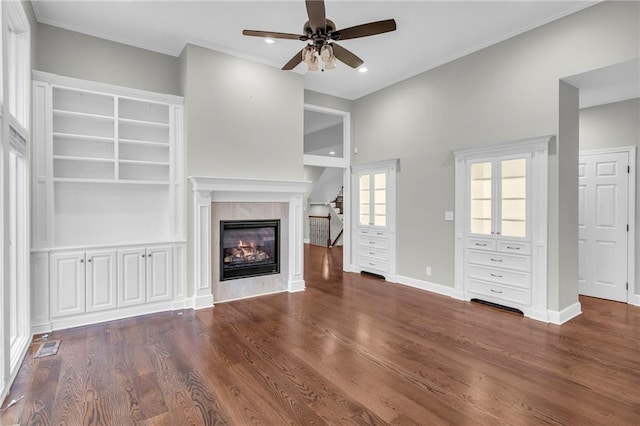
(72, 54)
(327, 101)
(611, 126)
(243, 119)
(505, 92)
(331, 137)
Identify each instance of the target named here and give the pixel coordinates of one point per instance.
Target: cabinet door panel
(101, 280)
(67, 284)
(159, 260)
(131, 277)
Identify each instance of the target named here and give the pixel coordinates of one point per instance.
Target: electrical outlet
(428, 271)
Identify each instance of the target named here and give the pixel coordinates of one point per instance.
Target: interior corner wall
(567, 231)
(77, 55)
(611, 126)
(505, 92)
(242, 120)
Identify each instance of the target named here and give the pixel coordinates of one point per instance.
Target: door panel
(602, 225)
(131, 277)
(159, 274)
(68, 284)
(101, 280)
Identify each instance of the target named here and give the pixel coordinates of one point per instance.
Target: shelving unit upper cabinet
(372, 190)
(83, 131)
(499, 189)
(144, 140)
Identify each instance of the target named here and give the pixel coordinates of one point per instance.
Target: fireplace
(249, 248)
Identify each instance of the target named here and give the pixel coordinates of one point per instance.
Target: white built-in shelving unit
(107, 195)
(501, 225)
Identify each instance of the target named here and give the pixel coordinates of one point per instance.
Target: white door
(602, 225)
(159, 274)
(131, 276)
(101, 280)
(67, 284)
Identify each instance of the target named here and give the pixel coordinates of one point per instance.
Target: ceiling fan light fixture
(309, 57)
(327, 56)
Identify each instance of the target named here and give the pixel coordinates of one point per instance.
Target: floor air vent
(496, 305)
(48, 348)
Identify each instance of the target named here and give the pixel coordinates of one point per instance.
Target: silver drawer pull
(496, 275)
(513, 248)
(481, 245)
(372, 253)
(496, 260)
(372, 264)
(372, 242)
(379, 233)
(495, 291)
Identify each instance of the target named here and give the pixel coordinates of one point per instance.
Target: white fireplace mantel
(211, 189)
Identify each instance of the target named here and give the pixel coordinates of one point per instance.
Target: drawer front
(380, 254)
(500, 260)
(366, 263)
(500, 276)
(481, 244)
(371, 242)
(499, 293)
(514, 247)
(380, 233)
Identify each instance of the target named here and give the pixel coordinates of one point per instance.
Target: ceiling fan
(321, 35)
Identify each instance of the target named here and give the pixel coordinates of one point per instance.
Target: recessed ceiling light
(363, 69)
(332, 153)
(269, 40)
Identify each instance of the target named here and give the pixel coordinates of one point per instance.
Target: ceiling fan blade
(271, 34)
(365, 30)
(346, 56)
(315, 11)
(293, 62)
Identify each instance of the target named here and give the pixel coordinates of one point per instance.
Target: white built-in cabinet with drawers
(374, 245)
(501, 225)
(107, 227)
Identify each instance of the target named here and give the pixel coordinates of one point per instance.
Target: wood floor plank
(350, 350)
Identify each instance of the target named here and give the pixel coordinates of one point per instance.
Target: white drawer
(499, 260)
(375, 253)
(481, 244)
(380, 233)
(514, 247)
(372, 242)
(497, 293)
(366, 264)
(500, 276)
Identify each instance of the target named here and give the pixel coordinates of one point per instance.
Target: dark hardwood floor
(349, 350)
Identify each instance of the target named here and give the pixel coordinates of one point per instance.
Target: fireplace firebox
(249, 248)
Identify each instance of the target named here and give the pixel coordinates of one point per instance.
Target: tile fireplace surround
(216, 199)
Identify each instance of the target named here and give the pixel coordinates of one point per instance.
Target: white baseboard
(635, 300)
(296, 286)
(428, 286)
(201, 302)
(250, 297)
(306, 241)
(568, 313)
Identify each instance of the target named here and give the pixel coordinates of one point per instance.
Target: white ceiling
(615, 83)
(430, 33)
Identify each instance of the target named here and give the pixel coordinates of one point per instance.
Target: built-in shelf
(144, 123)
(81, 115)
(139, 142)
(89, 159)
(152, 163)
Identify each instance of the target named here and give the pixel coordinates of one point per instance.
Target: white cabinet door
(159, 277)
(100, 280)
(131, 277)
(67, 284)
